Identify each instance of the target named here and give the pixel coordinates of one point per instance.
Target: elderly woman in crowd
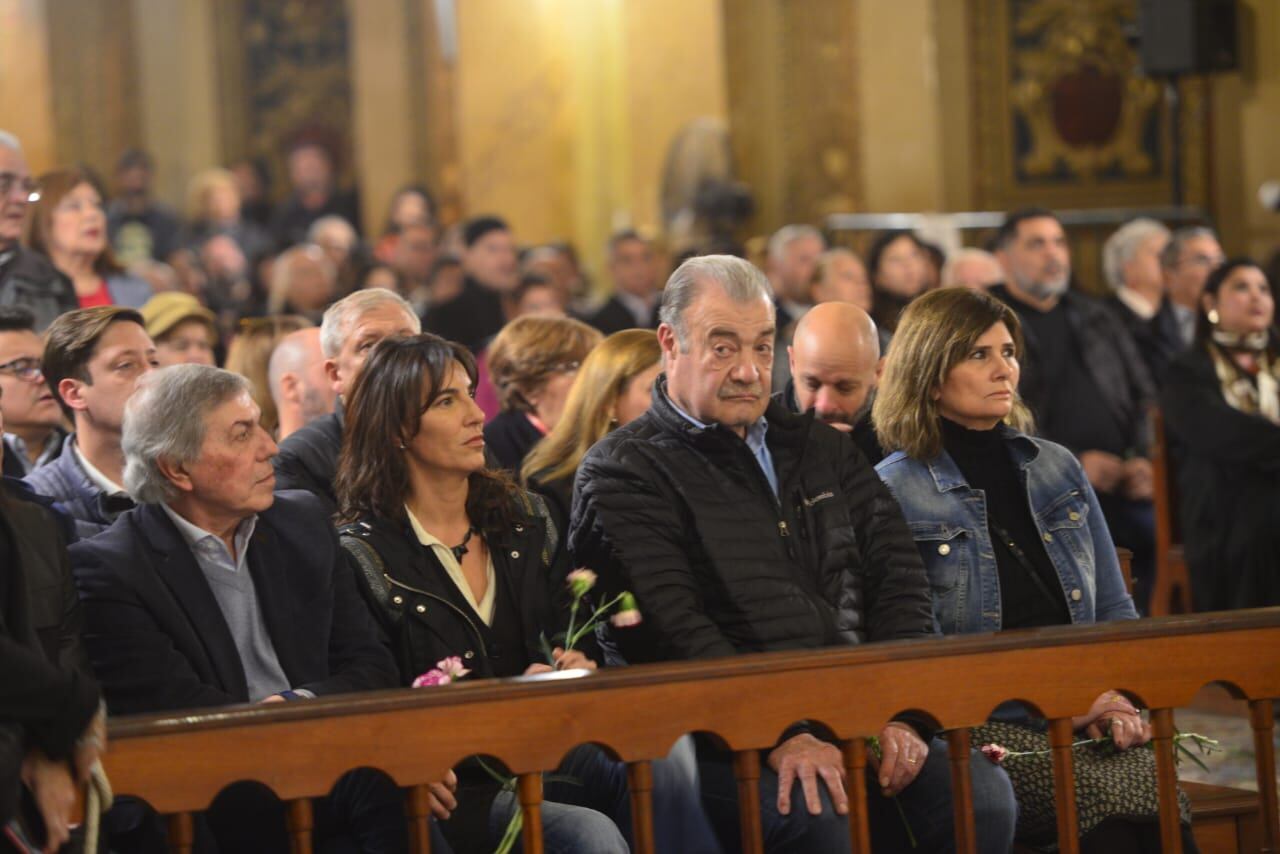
(898, 270)
(1222, 407)
(1012, 536)
(612, 389)
(69, 226)
(840, 276)
(250, 354)
(455, 561)
(532, 363)
(182, 329)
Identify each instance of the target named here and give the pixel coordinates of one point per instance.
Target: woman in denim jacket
(1012, 537)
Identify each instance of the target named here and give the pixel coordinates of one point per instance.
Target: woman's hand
(1113, 713)
(571, 660)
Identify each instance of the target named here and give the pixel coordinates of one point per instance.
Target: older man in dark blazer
(215, 591)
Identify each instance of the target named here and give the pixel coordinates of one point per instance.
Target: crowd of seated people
(416, 438)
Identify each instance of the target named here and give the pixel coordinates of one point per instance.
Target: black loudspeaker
(1188, 36)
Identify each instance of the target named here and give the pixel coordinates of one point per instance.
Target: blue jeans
(591, 810)
(925, 808)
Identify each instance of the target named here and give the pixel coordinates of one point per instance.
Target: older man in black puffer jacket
(742, 527)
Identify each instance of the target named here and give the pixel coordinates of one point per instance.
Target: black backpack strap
(373, 570)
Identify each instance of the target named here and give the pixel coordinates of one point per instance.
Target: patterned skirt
(1110, 783)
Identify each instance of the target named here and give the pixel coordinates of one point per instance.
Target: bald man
(835, 365)
(299, 385)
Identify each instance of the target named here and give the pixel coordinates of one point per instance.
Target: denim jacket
(948, 520)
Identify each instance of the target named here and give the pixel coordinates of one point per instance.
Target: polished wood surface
(638, 712)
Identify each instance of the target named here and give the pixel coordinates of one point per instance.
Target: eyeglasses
(26, 368)
(1208, 262)
(8, 180)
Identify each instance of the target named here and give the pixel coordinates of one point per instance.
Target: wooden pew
(1171, 589)
(179, 762)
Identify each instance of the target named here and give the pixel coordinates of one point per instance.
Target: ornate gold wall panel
(283, 71)
(793, 109)
(95, 91)
(1064, 117)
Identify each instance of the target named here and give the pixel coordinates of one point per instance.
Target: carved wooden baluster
(1061, 736)
(855, 765)
(640, 778)
(530, 787)
(182, 833)
(420, 818)
(746, 767)
(962, 791)
(1166, 780)
(300, 823)
(1260, 714)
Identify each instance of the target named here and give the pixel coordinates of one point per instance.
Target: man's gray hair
(741, 280)
(9, 141)
(1123, 245)
(346, 312)
(1173, 249)
(165, 419)
(788, 234)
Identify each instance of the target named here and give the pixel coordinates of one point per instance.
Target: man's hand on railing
(902, 755)
(807, 758)
(55, 795)
(442, 800)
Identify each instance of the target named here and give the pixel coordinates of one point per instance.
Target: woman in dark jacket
(457, 560)
(1222, 406)
(898, 269)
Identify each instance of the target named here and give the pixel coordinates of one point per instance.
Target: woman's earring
(1213, 316)
(613, 422)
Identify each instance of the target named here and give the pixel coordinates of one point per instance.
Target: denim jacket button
(1048, 538)
(1076, 594)
(944, 549)
(1073, 516)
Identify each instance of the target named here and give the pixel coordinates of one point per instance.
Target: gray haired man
(742, 527)
(308, 458)
(214, 590)
(26, 278)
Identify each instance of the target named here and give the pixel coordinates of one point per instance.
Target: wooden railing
(299, 749)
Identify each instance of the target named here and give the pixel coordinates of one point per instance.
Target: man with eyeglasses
(33, 432)
(26, 278)
(1191, 254)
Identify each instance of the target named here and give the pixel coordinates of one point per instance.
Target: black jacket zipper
(463, 614)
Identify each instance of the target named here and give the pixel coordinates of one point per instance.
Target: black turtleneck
(1025, 600)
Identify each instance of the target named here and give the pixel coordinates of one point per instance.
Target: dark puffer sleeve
(631, 529)
(898, 602)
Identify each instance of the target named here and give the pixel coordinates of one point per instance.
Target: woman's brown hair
(935, 333)
(589, 408)
(397, 384)
(529, 349)
(54, 187)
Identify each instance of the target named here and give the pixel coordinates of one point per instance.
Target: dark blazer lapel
(179, 572)
(266, 566)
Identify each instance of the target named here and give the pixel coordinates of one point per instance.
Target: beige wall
(565, 109)
(901, 121)
(380, 94)
(1245, 127)
(178, 100)
(26, 93)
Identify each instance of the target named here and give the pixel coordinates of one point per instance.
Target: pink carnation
(581, 581)
(995, 752)
(447, 670)
(431, 678)
(628, 613)
(452, 667)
